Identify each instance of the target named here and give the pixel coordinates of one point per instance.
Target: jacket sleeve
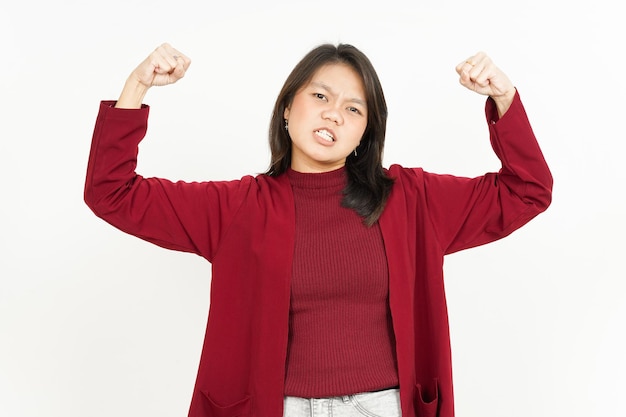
(467, 212)
(184, 216)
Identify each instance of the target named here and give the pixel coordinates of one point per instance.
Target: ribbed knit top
(340, 333)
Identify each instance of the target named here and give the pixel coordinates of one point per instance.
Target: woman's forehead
(338, 78)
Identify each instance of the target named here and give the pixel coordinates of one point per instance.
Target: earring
(287, 125)
(355, 154)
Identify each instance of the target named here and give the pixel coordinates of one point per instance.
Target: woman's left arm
(467, 212)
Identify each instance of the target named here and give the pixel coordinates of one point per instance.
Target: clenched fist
(478, 73)
(165, 65)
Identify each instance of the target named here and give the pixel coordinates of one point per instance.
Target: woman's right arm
(183, 216)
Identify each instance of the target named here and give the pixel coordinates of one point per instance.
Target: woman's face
(327, 119)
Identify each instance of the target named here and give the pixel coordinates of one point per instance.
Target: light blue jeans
(369, 404)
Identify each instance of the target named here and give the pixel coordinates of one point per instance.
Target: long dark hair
(368, 185)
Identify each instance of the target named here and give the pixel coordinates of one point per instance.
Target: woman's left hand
(478, 73)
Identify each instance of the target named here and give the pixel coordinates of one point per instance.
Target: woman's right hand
(165, 65)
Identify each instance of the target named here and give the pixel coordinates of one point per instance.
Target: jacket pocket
(427, 400)
(240, 408)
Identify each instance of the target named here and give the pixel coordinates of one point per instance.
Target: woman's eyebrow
(330, 90)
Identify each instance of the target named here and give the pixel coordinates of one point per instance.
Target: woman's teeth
(324, 134)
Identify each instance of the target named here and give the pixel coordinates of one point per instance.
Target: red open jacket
(245, 228)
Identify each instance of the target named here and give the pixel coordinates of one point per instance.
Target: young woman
(327, 291)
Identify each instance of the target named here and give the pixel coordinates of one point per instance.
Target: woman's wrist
(504, 101)
(132, 94)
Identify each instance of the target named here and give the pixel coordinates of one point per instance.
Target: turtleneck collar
(331, 179)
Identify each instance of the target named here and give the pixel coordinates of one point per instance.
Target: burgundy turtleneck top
(340, 333)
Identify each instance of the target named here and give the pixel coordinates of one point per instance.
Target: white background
(94, 322)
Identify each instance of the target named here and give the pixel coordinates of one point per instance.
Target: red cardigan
(245, 228)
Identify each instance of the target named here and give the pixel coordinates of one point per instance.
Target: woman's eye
(354, 110)
(320, 96)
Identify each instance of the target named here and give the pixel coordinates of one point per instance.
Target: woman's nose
(333, 115)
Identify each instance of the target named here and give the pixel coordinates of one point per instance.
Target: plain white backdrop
(97, 323)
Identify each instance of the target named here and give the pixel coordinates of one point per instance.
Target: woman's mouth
(325, 135)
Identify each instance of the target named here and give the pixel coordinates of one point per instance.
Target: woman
(327, 288)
